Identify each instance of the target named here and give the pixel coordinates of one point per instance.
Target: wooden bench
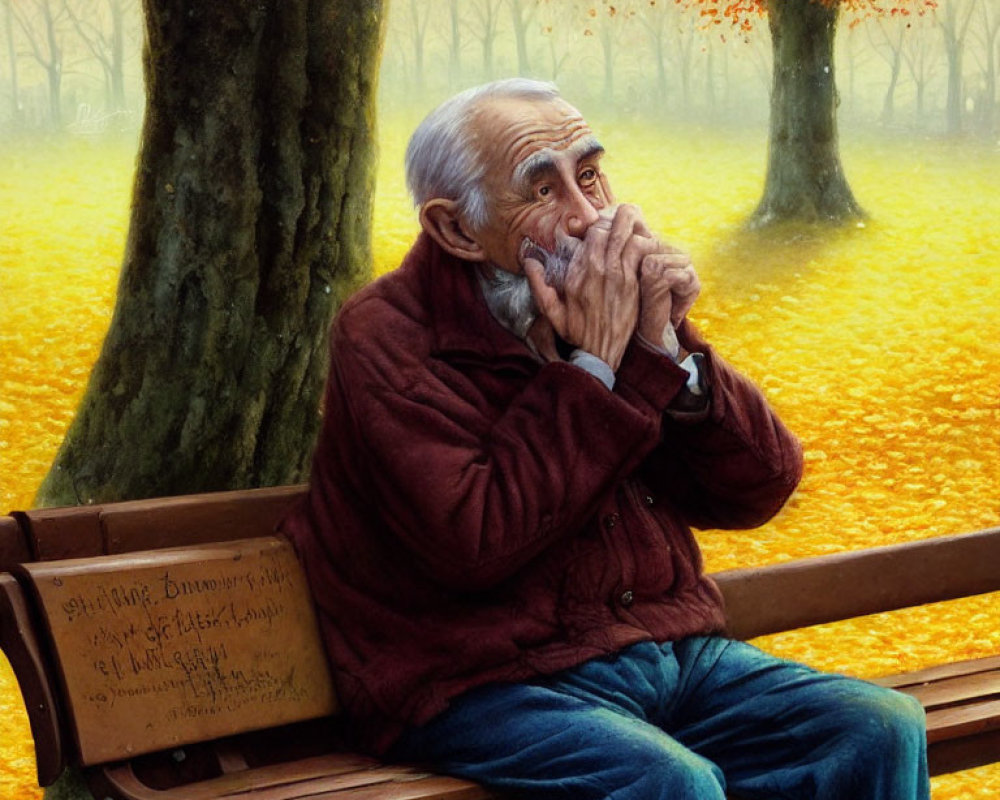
(169, 648)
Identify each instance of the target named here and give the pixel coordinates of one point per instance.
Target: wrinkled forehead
(512, 133)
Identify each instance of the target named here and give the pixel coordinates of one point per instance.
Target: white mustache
(556, 263)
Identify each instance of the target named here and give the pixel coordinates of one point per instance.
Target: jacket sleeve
(731, 466)
(472, 495)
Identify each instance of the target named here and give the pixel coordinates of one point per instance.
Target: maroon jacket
(475, 515)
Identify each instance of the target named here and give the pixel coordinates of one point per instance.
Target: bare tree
(953, 18)
(487, 17)
(419, 17)
(15, 104)
(918, 53)
(557, 34)
(44, 33)
(455, 44)
(610, 21)
(711, 92)
(685, 38)
(101, 24)
(987, 35)
(655, 18)
(886, 37)
(522, 12)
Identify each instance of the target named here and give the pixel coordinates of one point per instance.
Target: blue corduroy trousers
(688, 720)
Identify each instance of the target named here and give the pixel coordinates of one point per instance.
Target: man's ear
(442, 220)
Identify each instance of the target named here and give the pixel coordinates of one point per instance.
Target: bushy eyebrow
(542, 163)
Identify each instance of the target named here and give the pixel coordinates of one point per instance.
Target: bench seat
(962, 701)
(334, 775)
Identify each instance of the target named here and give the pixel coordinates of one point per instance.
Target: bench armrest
(22, 648)
(830, 588)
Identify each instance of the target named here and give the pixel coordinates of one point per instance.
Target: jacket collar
(463, 326)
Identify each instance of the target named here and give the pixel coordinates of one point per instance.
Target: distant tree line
(935, 72)
(70, 64)
(74, 64)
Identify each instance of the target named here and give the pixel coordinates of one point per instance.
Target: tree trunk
(685, 46)
(895, 65)
(15, 105)
(454, 51)
(489, 34)
(990, 30)
(117, 56)
(661, 71)
(710, 80)
(520, 24)
(888, 102)
(954, 22)
(418, 29)
(608, 48)
(250, 221)
(954, 104)
(805, 179)
(53, 68)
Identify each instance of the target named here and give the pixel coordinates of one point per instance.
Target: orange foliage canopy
(742, 14)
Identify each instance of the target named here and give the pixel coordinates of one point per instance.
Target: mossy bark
(250, 221)
(805, 178)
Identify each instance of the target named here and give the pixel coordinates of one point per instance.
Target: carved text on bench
(188, 649)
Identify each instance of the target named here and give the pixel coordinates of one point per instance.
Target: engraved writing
(188, 643)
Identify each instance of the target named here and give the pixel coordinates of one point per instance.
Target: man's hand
(598, 308)
(668, 287)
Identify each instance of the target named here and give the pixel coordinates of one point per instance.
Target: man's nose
(581, 213)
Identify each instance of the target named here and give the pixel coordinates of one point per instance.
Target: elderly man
(521, 429)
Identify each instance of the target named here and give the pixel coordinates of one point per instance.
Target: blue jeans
(692, 719)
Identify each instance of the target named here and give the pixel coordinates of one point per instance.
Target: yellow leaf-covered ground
(879, 345)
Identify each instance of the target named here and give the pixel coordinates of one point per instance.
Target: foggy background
(74, 66)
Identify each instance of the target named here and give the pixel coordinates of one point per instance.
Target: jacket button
(627, 598)
(611, 520)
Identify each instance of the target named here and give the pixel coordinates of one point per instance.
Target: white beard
(508, 296)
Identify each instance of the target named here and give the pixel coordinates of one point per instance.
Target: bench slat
(940, 672)
(798, 594)
(55, 533)
(962, 721)
(323, 776)
(275, 775)
(430, 788)
(383, 777)
(175, 646)
(950, 691)
(955, 755)
(195, 519)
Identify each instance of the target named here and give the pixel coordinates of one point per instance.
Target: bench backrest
(81, 531)
(13, 544)
(164, 648)
(812, 591)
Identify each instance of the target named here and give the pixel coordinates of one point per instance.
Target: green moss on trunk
(250, 221)
(805, 179)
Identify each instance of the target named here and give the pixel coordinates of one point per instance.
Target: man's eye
(588, 176)
(543, 191)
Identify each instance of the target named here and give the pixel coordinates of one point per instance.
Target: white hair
(441, 160)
